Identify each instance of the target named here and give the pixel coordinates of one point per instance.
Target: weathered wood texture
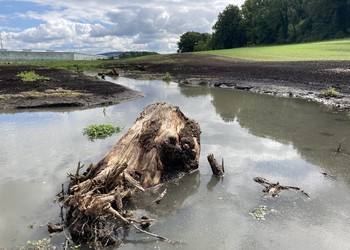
(161, 143)
(216, 168)
(162, 140)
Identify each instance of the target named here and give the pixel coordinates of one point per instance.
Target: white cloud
(100, 26)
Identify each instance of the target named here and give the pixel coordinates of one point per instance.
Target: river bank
(307, 80)
(57, 88)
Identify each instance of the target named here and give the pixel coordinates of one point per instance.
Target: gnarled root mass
(161, 143)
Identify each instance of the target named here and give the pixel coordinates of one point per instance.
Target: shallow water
(286, 140)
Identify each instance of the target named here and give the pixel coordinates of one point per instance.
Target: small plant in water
(167, 77)
(38, 244)
(31, 76)
(331, 92)
(100, 131)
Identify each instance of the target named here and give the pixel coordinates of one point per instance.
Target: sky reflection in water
(286, 140)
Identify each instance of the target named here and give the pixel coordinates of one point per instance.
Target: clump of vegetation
(167, 77)
(132, 54)
(38, 244)
(331, 92)
(100, 131)
(31, 76)
(47, 93)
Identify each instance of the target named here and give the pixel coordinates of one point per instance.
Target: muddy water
(286, 140)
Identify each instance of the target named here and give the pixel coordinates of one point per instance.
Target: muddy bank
(308, 80)
(61, 88)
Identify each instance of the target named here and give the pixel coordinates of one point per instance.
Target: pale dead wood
(161, 143)
(273, 189)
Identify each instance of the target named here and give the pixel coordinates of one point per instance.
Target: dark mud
(64, 89)
(308, 80)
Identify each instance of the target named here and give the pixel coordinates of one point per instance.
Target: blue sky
(106, 25)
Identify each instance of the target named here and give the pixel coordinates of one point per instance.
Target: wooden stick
(215, 167)
(160, 197)
(152, 234)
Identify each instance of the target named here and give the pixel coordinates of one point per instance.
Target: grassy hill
(326, 50)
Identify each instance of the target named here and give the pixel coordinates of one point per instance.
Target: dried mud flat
(308, 80)
(63, 89)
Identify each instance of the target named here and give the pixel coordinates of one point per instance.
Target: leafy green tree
(327, 18)
(193, 41)
(258, 24)
(229, 31)
(273, 21)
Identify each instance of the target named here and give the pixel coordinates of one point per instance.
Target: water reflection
(177, 192)
(312, 130)
(285, 140)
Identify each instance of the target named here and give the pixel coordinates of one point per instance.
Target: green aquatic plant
(100, 131)
(167, 77)
(31, 76)
(331, 92)
(260, 212)
(38, 244)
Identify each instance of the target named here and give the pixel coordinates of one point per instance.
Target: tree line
(132, 54)
(263, 22)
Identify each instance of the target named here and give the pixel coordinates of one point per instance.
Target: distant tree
(193, 41)
(132, 54)
(328, 18)
(229, 31)
(271, 22)
(285, 21)
(259, 27)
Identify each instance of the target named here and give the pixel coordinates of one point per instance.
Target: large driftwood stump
(161, 143)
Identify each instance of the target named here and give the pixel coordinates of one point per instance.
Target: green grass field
(327, 50)
(70, 65)
(95, 64)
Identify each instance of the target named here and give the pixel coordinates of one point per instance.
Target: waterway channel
(287, 140)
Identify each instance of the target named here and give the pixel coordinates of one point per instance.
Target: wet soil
(307, 80)
(92, 91)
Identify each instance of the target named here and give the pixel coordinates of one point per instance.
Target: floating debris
(260, 212)
(273, 189)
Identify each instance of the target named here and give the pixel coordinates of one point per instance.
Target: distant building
(29, 55)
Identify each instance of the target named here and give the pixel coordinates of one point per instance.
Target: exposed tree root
(162, 143)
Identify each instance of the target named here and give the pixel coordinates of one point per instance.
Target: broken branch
(217, 169)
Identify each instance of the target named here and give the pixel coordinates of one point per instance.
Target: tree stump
(161, 143)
